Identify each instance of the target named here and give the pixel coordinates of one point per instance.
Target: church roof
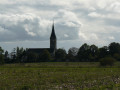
(39, 50)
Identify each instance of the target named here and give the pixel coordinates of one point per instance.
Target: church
(53, 45)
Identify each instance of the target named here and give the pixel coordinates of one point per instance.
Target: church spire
(53, 40)
(53, 32)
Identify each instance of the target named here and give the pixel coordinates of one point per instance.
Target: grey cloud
(31, 20)
(113, 22)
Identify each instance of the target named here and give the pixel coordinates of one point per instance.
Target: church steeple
(53, 40)
(53, 32)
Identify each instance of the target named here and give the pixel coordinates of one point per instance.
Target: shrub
(107, 61)
(117, 56)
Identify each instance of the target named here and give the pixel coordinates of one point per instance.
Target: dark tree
(103, 52)
(6, 57)
(13, 56)
(32, 57)
(93, 53)
(2, 59)
(1, 56)
(83, 53)
(114, 48)
(19, 54)
(45, 56)
(60, 55)
(72, 53)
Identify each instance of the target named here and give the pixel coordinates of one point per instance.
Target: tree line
(86, 53)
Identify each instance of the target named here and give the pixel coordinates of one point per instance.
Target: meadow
(59, 76)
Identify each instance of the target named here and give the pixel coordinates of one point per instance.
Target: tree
(6, 57)
(32, 57)
(93, 53)
(45, 56)
(23, 56)
(13, 56)
(19, 54)
(114, 48)
(60, 54)
(103, 51)
(1, 59)
(83, 52)
(72, 53)
(1, 56)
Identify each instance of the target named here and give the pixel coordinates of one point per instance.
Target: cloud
(89, 21)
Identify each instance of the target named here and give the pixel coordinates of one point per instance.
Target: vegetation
(107, 61)
(61, 55)
(86, 53)
(1, 56)
(45, 56)
(59, 76)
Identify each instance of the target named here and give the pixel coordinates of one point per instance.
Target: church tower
(53, 40)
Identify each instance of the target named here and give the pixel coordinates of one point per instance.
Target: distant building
(53, 45)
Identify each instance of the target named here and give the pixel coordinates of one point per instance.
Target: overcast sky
(28, 23)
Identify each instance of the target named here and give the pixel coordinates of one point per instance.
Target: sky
(28, 23)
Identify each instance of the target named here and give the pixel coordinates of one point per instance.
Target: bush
(107, 61)
(117, 56)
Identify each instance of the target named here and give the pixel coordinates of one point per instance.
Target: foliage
(6, 57)
(83, 52)
(72, 53)
(45, 56)
(1, 56)
(1, 50)
(107, 61)
(2, 59)
(93, 53)
(86, 53)
(32, 57)
(103, 51)
(60, 54)
(117, 56)
(19, 53)
(114, 48)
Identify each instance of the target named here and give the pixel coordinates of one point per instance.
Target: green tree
(60, 54)
(83, 52)
(93, 53)
(45, 56)
(114, 48)
(6, 58)
(32, 57)
(19, 53)
(72, 53)
(103, 52)
(1, 56)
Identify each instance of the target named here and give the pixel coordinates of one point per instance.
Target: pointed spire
(53, 31)
(53, 21)
(53, 26)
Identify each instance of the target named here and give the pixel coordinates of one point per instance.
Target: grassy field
(59, 76)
